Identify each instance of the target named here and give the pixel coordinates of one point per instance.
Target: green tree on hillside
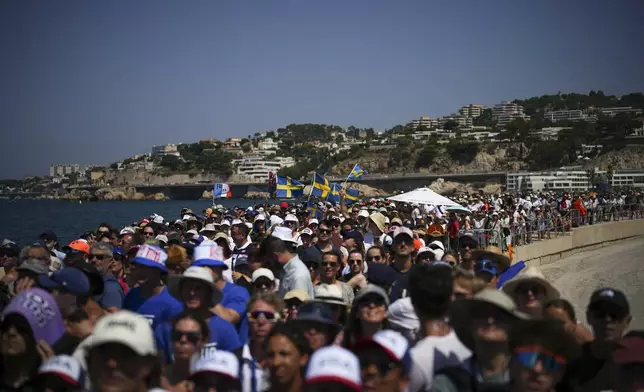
(426, 156)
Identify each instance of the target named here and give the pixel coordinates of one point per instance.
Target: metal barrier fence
(550, 224)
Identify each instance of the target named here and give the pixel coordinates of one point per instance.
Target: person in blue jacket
(234, 301)
(151, 298)
(198, 293)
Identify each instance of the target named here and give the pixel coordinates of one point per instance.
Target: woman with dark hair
(287, 354)
(25, 334)
(189, 336)
(368, 315)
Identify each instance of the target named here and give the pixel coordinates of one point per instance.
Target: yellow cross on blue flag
(334, 193)
(313, 210)
(351, 195)
(320, 187)
(288, 188)
(356, 173)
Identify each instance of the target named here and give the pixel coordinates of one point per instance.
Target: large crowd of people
(375, 296)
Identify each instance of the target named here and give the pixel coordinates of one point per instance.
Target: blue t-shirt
(157, 309)
(236, 298)
(223, 336)
(112, 294)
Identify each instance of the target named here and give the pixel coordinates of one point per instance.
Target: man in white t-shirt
(430, 288)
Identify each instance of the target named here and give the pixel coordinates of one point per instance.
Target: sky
(93, 82)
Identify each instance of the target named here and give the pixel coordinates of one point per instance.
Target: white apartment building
(462, 121)
(570, 115)
(628, 179)
(254, 168)
(506, 112)
(425, 121)
(617, 110)
(267, 144)
(166, 149)
(62, 170)
(471, 110)
(548, 133)
(570, 181)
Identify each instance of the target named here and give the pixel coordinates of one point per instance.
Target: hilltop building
(506, 112)
(63, 170)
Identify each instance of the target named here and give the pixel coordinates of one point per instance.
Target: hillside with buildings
(536, 133)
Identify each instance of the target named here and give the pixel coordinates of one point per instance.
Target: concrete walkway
(620, 266)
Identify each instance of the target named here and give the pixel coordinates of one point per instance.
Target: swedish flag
(356, 173)
(334, 193)
(320, 187)
(288, 188)
(351, 195)
(313, 210)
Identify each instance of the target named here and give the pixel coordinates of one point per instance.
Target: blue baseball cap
(70, 279)
(485, 265)
(118, 251)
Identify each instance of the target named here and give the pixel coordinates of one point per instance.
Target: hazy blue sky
(93, 81)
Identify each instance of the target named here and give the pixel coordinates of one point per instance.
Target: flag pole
(311, 190)
(347, 180)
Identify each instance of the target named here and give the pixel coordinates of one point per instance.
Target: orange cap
(80, 245)
(417, 244)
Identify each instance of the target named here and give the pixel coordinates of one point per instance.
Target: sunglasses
(148, 233)
(374, 258)
(192, 337)
(328, 264)
(8, 254)
(383, 366)
(262, 284)
(98, 257)
(324, 231)
(355, 261)
(605, 313)
(293, 303)
(263, 315)
(529, 356)
(372, 299)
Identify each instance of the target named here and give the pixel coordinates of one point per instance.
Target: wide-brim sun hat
(531, 275)
(492, 253)
(328, 294)
(496, 298)
(195, 273)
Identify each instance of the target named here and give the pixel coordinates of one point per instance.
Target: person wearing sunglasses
(531, 291)
(198, 293)
(264, 310)
(540, 350)
(148, 233)
(368, 315)
(102, 257)
(325, 231)
(385, 362)
(483, 323)
(609, 316)
(263, 281)
(189, 336)
(312, 258)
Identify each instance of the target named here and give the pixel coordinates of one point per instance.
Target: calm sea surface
(23, 221)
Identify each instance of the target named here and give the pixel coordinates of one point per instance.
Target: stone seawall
(581, 238)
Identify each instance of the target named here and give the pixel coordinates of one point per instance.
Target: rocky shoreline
(107, 194)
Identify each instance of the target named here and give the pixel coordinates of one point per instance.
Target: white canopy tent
(424, 196)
